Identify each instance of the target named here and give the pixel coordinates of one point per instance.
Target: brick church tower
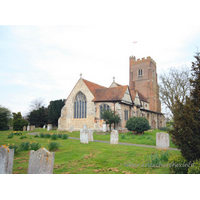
(143, 78)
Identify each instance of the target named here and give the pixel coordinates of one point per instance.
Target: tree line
(39, 115)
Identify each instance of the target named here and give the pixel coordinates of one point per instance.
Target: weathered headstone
(90, 135)
(6, 160)
(49, 127)
(41, 162)
(31, 128)
(114, 136)
(24, 128)
(71, 128)
(104, 127)
(84, 136)
(44, 127)
(28, 128)
(162, 140)
(84, 126)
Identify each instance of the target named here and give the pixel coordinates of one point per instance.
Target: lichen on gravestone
(41, 162)
(6, 160)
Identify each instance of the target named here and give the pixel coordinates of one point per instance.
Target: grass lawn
(148, 138)
(93, 158)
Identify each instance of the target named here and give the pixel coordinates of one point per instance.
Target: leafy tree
(55, 111)
(138, 124)
(38, 117)
(17, 116)
(110, 117)
(3, 122)
(5, 118)
(186, 132)
(18, 124)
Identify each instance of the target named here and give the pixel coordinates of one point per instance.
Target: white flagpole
(135, 42)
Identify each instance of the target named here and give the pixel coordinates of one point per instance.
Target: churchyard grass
(74, 157)
(148, 138)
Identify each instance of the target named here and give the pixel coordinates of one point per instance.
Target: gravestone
(28, 128)
(31, 128)
(24, 128)
(49, 127)
(84, 136)
(90, 135)
(84, 126)
(71, 128)
(114, 136)
(44, 127)
(104, 127)
(162, 140)
(41, 162)
(6, 160)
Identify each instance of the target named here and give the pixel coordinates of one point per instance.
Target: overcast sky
(45, 61)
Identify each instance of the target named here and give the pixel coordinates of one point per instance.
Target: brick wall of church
(147, 82)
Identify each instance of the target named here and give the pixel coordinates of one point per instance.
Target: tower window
(140, 72)
(80, 106)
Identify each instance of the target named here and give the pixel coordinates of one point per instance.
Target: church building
(140, 99)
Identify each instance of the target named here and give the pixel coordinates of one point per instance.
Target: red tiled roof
(110, 94)
(93, 86)
(142, 97)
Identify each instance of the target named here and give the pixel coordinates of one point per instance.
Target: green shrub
(164, 156)
(42, 135)
(17, 133)
(164, 129)
(123, 136)
(53, 146)
(14, 146)
(194, 168)
(59, 135)
(157, 160)
(149, 137)
(36, 135)
(154, 160)
(24, 146)
(18, 124)
(54, 136)
(10, 135)
(34, 146)
(138, 124)
(64, 136)
(47, 135)
(178, 165)
(23, 136)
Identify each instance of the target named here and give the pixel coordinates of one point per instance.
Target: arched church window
(140, 72)
(80, 106)
(102, 108)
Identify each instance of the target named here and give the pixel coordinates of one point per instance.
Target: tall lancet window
(80, 106)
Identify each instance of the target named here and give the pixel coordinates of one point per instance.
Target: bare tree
(173, 83)
(37, 103)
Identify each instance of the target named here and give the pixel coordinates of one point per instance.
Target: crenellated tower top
(147, 59)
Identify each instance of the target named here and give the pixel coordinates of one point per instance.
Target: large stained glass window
(80, 106)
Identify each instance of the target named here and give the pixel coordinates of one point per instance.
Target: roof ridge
(94, 83)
